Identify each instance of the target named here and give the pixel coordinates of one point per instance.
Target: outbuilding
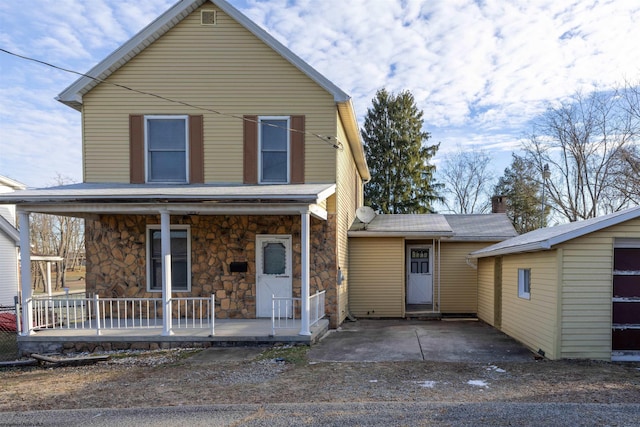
(570, 291)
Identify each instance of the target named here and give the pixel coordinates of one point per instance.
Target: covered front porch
(218, 276)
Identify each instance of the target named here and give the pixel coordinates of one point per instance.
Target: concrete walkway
(415, 340)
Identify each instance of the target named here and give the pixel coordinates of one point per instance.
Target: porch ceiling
(85, 200)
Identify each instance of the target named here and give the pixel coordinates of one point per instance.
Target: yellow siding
(458, 280)
(346, 196)
(532, 322)
(223, 68)
(486, 290)
(587, 291)
(376, 285)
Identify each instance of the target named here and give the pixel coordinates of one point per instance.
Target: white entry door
(273, 271)
(419, 275)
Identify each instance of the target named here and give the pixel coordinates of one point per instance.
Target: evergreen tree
(402, 179)
(522, 190)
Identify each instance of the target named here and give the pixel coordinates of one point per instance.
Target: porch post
(25, 273)
(304, 274)
(165, 238)
(48, 278)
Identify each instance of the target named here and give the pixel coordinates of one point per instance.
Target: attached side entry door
(419, 275)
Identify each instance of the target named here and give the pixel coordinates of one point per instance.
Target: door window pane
(424, 267)
(274, 258)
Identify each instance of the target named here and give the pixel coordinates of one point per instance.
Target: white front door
(273, 271)
(419, 276)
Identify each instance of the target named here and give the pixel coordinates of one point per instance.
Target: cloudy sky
(480, 70)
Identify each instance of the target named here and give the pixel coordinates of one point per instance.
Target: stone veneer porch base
(46, 342)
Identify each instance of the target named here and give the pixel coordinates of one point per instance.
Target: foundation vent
(208, 17)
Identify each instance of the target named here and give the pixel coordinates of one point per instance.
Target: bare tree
(56, 235)
(468, 181)
(586, 144)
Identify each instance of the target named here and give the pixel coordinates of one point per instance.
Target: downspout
(471, 263)
(439, 274)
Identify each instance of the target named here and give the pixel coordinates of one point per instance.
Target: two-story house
(221, 173)
(208, 143)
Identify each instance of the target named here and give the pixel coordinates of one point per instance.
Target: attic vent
(208, 17)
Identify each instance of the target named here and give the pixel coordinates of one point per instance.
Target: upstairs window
(166, 148)
(274, 150)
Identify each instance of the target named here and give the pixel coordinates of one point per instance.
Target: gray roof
(72, 95)
(94, 192)
(546, 238)
(489, 227)
(479, 227)
(87, 200)
(403, 223)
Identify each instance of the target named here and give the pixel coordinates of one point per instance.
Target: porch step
(430, 315)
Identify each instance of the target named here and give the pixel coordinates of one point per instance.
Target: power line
(326, 139)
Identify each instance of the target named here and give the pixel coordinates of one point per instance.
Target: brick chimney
(498, 204)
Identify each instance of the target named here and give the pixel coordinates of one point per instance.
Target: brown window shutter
(196, 150)
(136, 149)
(296, 155)
(250, 152)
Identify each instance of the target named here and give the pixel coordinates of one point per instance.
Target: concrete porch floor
(228, 332)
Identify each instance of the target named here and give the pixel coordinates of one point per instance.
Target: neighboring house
(250, 182)
(570, 291)
(9, 242)
(416, 265)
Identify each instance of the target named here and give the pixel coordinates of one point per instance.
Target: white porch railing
(286, 311)
(316, 307)
(67, 312)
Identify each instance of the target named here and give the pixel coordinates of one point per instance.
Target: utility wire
(331, 140)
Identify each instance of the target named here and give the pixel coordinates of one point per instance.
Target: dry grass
(286, 376)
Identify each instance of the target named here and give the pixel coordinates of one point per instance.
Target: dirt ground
(285, 375)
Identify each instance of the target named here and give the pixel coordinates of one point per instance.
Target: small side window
(524, 283)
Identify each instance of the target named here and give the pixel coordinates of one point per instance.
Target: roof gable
(72, 95)
(546, 238)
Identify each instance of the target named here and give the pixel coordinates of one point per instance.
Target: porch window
(524, 283)
(180, 259)
(274, 150)
(166, 148)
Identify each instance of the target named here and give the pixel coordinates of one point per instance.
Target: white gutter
(180, 209)
(530, 247)
(415, 234)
